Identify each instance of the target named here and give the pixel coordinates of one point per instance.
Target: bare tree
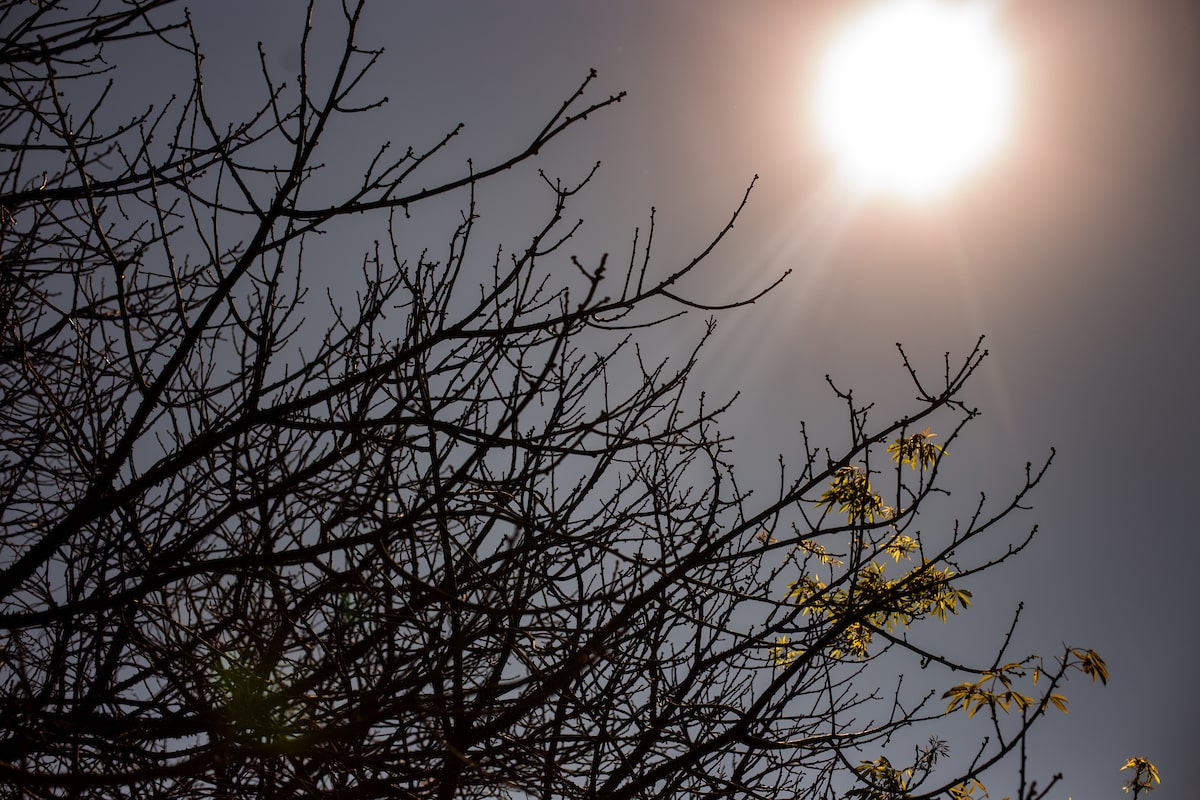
(456, 539)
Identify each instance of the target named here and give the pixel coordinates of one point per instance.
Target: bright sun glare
(915, 94)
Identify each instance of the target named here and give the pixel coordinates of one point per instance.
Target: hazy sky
(1075, 252)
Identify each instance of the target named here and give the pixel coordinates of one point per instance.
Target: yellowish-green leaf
(900, 547)
(783, 654)
(1145, 775)
(1092, 664)
(966, 791)
(850, 491)
(915, 450)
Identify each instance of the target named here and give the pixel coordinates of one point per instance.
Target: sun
(914, 95)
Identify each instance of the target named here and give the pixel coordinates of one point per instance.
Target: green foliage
(253, 709)
(900, 547)
(883, 781)
(820, 552)
(869, 599)
(850, 491)
(782, 653)
(995, 689)
(862, 600)
(916, 450)
(875, 601)
(966, 790)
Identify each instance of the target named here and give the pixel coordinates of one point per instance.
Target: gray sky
(1075, 253)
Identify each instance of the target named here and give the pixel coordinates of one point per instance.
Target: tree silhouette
(458, 538)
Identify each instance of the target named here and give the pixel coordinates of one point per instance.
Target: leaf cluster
(851, 493)
(995, 689)
(1144, 777)
(916, 450)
